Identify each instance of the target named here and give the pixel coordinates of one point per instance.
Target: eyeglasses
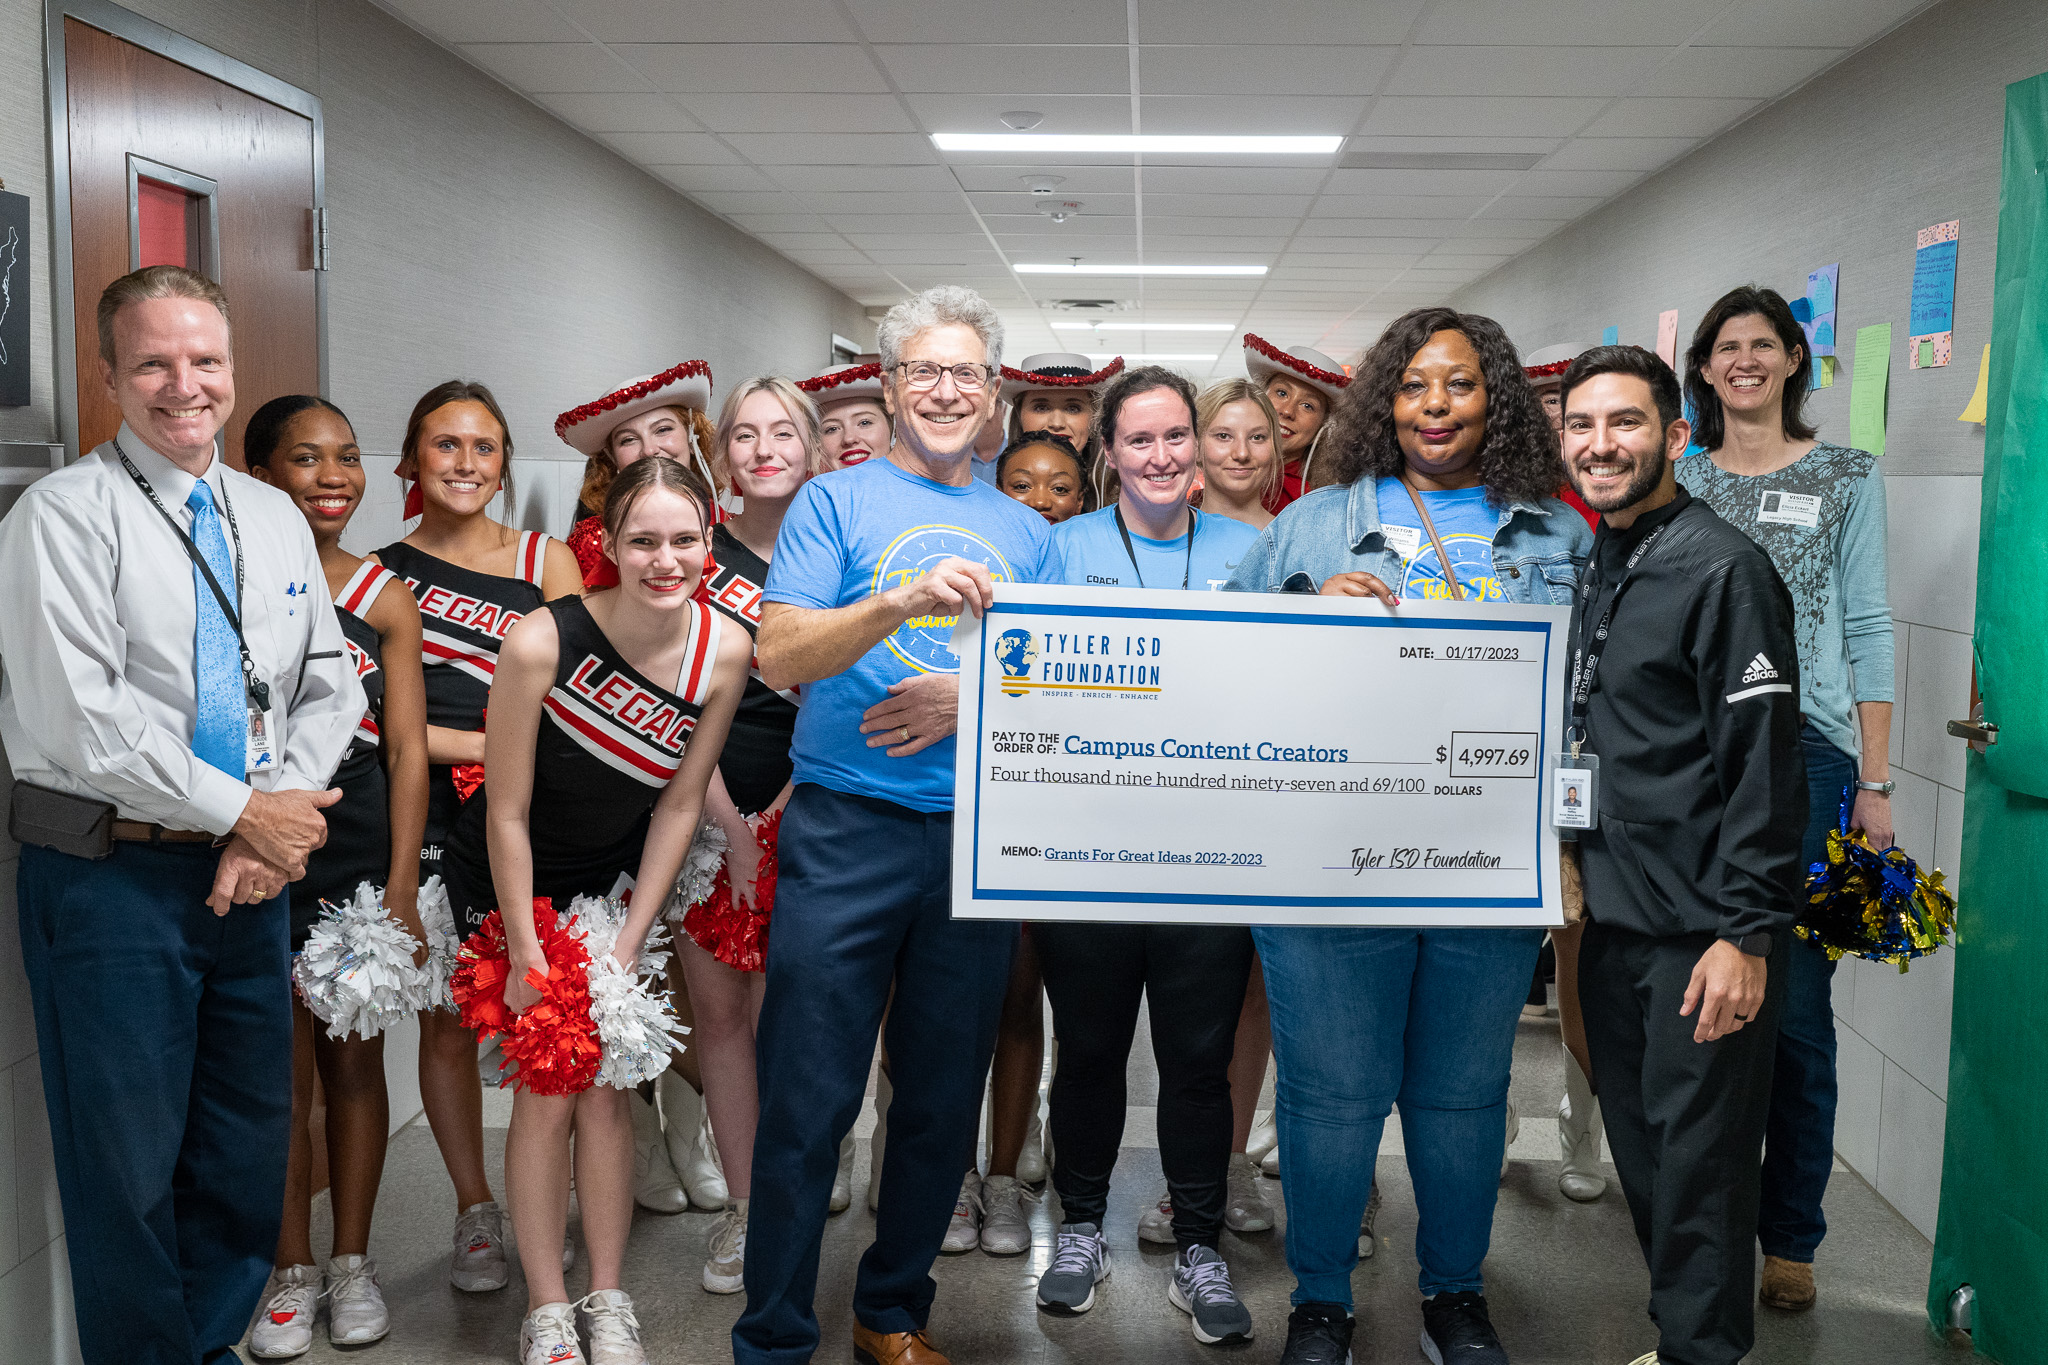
(924, 374)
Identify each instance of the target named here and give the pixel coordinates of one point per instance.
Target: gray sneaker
(1368, 1239)
(1201, 1289)
(1080, 1260)
(478, 1265)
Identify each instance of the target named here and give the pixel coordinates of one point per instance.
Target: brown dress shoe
(1787, 1284)
(893, 1348)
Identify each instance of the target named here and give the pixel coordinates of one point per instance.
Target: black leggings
(1193, 977)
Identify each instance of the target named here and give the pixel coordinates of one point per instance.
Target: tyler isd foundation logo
(1016, 651)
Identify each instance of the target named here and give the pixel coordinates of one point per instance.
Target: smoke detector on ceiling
(1092, 306)
(1021, 119)
(1043, 184)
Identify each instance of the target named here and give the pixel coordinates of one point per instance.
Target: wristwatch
(1756, 945)
(1885, 787)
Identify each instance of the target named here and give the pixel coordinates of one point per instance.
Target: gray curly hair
(943, 305)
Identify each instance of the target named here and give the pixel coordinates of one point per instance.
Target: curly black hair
(1041, 438)
(1519, 460)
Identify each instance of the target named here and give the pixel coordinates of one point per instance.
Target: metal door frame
(151, 37)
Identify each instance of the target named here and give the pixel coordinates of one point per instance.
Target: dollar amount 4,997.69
(1489, 753)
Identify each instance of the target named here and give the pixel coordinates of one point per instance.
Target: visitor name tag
(259, 752)
(1573, 785)
(1789, 509)
(1403, 540)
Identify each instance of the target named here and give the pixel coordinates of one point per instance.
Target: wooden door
(177, 166)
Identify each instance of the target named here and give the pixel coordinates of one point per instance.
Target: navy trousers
(864, 898)
(165, 1035)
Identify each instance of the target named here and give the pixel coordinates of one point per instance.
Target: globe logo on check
(1016, 651)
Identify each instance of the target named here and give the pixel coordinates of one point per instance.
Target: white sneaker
(1265, 1137)
(614, 1331)
(285, 1326)
(1246, 1209)
(725, 1258)
(1269, 1164)
(1368, 1238)
(1514, 1131)
(964, 1232)
(878, 1140)
(1005, 1228)
(1156, 1223)
(1579, 1176)
(356, 1315)
(479, 1264)
(692, 1151)
(548, 1337)
(842, 1179)
(655, 1186)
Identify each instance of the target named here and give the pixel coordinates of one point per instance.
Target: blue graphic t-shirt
(859, 531)
(1465, 521)
(1093, 553)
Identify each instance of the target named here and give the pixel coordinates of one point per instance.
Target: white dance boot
(655, 1186)
(692, 1151)
(1578, 1134)
(842, 1179)
(879, 1140)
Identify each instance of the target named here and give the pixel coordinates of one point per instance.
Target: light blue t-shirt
(856, 532)
(1094, 556)
(1466, 522)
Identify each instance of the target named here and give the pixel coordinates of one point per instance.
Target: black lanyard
(1186, 573)
(258, 690)
(1586, 658)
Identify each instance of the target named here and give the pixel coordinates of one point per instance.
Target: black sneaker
(1456, 1331)
(1318, 1334)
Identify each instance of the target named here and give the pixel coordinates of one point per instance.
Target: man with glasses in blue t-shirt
(871, 570)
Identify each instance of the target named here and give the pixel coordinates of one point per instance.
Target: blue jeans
(1367, 1018)
(864, 898)
(1799, 1143)
(165, 1035)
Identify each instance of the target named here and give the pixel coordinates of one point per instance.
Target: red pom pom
(551, 1048)
(722, 927)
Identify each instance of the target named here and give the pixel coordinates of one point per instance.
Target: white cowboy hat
(1304, 364)
(1057, 370)
(844, 382)
(588, 426)
(1548, 364)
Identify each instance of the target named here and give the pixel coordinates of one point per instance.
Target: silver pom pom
(635, 1026)
(356, 973)
(700, 871)
(437, 917)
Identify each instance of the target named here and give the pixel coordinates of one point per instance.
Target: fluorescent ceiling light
(1139, 269)
(1145, 326)
(1152, 357)
(1135, 142)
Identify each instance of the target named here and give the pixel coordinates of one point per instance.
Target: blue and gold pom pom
(1868, 904)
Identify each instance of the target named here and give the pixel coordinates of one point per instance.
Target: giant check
(1237, 758)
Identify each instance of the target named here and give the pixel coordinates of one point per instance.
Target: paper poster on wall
(1934, 296)
(1823, 372)
(1867, 383)
(1820, 302)
(1667, 336)
(14, 300)
(1611, 337)
(1974, 412)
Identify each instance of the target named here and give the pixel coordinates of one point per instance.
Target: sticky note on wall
(1611, 337)
(1979, 400)
(1867, 382)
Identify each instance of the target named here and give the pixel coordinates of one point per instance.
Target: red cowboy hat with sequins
(1304, 364)
(1057, 370)
(587, 426)
(1548, 364)
(844, 383)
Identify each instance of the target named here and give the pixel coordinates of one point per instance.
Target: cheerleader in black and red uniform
(305, 446)
(595, 771)
(474, 578)
(657, 414)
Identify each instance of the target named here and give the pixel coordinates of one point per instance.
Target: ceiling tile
(924, 224)
(780, 222)
(1414, 205)
(1233, 179)
(1262, 69)
(1523, 70)
(1563, 23)
(1820, 23)
(1479, 116)
(1618, 153)
(693, 179)
(1376, 184)
(989, 69)
(657, 21)
(840, 203)
(1278, 21)
(983, 113)
(553, 67)
(1686, 117)
(1557, 209)
(1265, 207)
(803, 241)
(1074, 180)
(1280, 114)
(788, 113)
(755, 68)
(870, 178)
(992, 21)
(1593, 184)
(1756, 72)
(669, 149)
(1412, 146)
(802, 149)
(620, 113)
(486, 21)
(735, 202)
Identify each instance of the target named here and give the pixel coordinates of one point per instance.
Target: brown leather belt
(137, 832)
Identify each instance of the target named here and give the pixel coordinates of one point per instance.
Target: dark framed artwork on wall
(14, 300)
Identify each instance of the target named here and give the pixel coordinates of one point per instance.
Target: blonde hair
(600, 469)
(156, 282)
(795, 402)
(1209, 404)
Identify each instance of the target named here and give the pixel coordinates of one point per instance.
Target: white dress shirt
(97, 616)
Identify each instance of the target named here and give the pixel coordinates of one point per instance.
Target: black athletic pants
(1193, 979)
(1685, 1122)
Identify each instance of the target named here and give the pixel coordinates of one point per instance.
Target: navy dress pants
(863, 899)
(165, 1036)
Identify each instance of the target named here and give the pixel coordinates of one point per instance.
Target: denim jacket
(1538, 547)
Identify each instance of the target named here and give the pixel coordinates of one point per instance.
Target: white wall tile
(1859, 1073)
(35, 1305)
(1931, 549)
(1938, 692)
(1902, 649)
(1842, 998)
(1906, 1017)
(1912, 1130)
(1913, 811)
(1947, 854)
(38, 1213)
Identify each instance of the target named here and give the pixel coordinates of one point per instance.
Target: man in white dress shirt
(174, 697)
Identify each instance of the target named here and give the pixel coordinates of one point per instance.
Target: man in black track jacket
(1692, 867)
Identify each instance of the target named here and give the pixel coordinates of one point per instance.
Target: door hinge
(320, 243)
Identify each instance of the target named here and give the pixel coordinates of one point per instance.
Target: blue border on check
(978, 893)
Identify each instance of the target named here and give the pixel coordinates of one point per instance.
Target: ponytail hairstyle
(265, 432)
(642, 477)
(458, 391)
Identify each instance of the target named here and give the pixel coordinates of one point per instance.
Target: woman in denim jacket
(1439, 417)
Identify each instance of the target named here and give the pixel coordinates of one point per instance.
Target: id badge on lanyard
(1575, 774)
(260, 751)
(1574, 787)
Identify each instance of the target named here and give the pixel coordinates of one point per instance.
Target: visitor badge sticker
(1247, 758)
(1404, 541)
(1778, 508)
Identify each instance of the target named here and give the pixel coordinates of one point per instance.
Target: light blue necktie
(220, 733)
